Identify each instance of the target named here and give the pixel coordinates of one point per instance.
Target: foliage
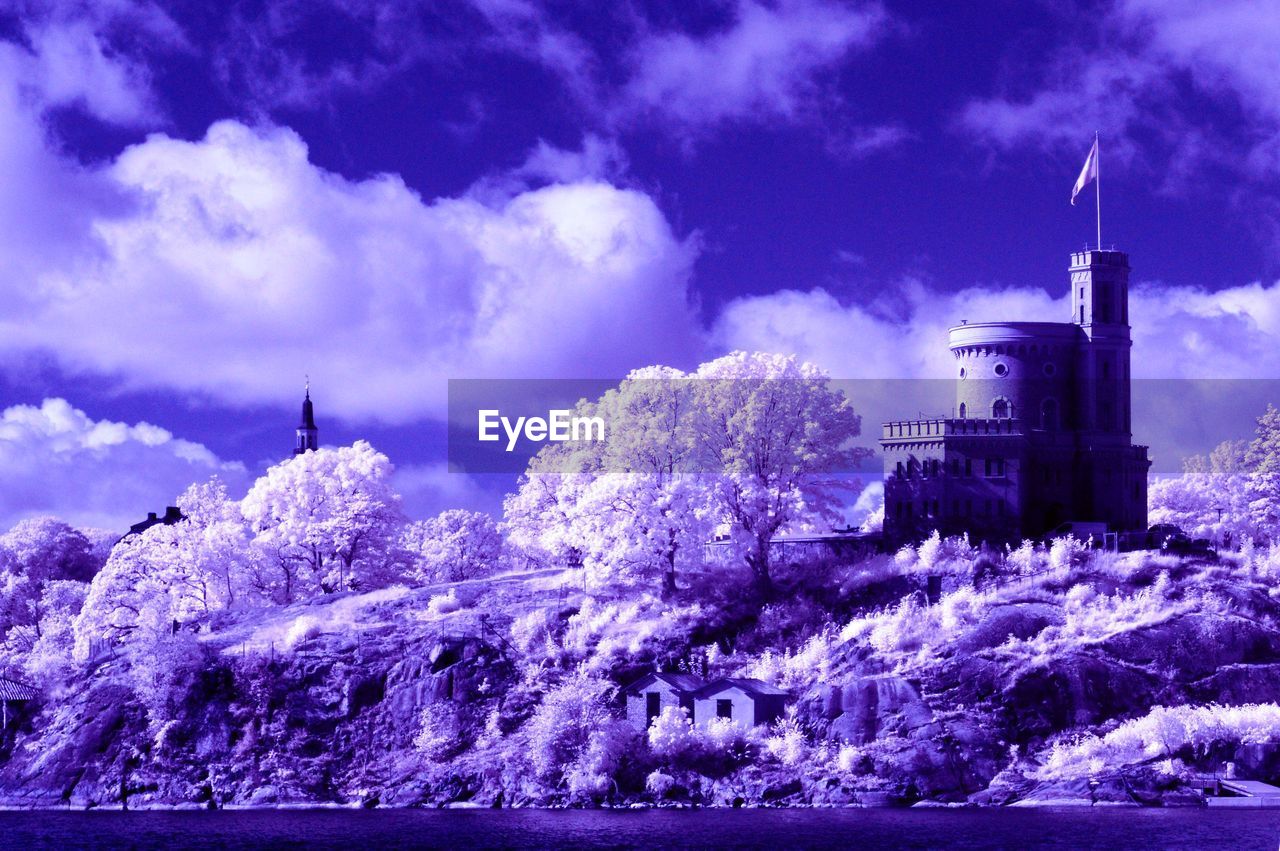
(564, 723)
(454, 546)
(328, 519)
(1210, 499)
(1163, 732)
(748, 442)
(1263, 463)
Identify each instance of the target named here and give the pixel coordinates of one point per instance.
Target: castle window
(962, 373)
(994, 468)
(968, 467)
(1000, 409)
(902, 471)
(1049, 415)
(1001, 369)
(1050, 370)
(963, 408)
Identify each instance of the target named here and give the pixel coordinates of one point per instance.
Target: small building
(750, 702)
(845, 546)
(13, 697)
(652, 693)
(172, 515)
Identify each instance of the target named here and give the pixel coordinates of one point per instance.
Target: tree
(649, 508)
(50, 658)
(212, 563)
(45, 548)
(538, 519)
(745, 441)
(1263, 461)
(126, 588)
(772, 429)
(454, 546)
(35, 554)
(1210, 498)
(172, 575)
(328, 518)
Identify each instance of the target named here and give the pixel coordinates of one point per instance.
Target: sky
(202, 204)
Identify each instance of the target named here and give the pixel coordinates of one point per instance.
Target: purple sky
(201, 203)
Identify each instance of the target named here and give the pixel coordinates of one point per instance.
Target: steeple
(307, 434)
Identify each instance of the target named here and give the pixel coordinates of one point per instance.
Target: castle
(1041, 431)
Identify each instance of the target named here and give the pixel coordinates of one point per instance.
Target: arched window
(963, 410)
(1049, 414)
(1001, 409)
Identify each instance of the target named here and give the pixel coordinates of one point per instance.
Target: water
(771, 829)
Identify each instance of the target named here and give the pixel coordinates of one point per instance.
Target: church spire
(307, 434)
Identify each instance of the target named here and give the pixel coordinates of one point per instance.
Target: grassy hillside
(1032, 676)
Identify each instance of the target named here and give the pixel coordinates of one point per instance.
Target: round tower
(1015, 370)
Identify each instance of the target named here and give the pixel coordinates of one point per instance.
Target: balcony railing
(942, 426)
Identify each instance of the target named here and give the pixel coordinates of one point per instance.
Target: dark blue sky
(205, 201)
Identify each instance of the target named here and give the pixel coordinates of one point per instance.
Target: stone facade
(651, 694)
(1041, 430)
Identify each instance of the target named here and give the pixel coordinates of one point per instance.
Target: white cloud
(54, 459)
(907, 339)
(763, 66)
(70, 66)
(231, 265)
(1178, 332)
(1153, 58)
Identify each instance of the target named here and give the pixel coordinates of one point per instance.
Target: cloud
(1178, 332)
(428, 489)
(55, 459)
(905, 338)
(759, 61)
(763, 66)
(598, 159)
(1222, 350)
(92, 57)
(1156, 83)
(231, 265)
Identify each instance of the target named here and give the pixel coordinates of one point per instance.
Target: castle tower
(1100, 307)
(1040, 432)
(308, 436)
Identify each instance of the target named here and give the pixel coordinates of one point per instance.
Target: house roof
(687, 683)
(754, 688)
(13, 690)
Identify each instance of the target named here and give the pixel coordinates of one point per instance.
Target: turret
(308, 436)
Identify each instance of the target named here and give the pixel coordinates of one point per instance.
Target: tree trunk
(759, 563)
(669, 575)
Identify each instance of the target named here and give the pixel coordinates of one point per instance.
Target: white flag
(1089, 172)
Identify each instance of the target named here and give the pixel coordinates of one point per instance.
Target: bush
(1161, 733)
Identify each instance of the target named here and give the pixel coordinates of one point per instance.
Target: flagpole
(1097, 186)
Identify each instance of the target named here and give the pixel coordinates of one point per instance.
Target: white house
(750, 702)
